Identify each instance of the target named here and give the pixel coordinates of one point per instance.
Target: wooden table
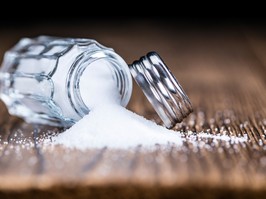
(223, 71)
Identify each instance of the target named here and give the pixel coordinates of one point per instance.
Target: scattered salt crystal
(227, 138)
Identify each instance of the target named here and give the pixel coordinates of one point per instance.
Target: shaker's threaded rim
(161, 88)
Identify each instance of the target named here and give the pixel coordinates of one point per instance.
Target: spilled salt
(197, 138)
(116, 127)
(109, 124)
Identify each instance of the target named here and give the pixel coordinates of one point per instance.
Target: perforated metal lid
(161, 88)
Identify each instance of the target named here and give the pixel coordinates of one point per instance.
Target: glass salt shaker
(40, 80)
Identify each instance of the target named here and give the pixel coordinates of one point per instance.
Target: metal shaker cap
(161, 88)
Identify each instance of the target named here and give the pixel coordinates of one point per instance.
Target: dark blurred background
(212, 19)
(76, 21)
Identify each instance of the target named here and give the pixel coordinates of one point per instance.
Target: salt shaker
(40, 80)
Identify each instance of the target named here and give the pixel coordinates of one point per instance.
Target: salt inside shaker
(41, 80)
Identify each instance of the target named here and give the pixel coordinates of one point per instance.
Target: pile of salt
(108, 124)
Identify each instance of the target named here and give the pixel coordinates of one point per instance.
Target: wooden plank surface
(223, 71)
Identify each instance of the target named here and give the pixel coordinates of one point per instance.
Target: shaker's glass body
(39, 78)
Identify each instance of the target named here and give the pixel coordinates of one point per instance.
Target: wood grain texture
(223, 72)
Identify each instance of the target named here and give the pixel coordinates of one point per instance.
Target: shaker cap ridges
(161, 88)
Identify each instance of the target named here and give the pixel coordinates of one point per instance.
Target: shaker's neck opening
(91, 75)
